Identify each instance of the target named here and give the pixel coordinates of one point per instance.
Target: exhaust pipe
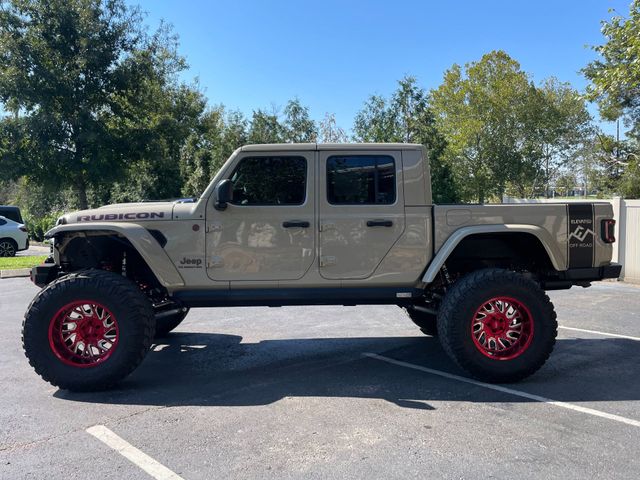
(422, 309)
(170, 313)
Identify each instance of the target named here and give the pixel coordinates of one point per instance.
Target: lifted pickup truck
(313, 224)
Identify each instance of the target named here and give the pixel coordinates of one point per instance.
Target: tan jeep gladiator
(313, 224)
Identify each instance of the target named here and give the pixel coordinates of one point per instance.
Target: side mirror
(223, 194)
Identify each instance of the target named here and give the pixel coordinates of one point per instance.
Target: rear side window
(361, 180)
(12, 213)
(270, 181)
(2, 222)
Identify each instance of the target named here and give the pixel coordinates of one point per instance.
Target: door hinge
(327, 260)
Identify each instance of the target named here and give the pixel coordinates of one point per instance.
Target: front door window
(270, 181)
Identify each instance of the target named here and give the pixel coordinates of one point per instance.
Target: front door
(361, 211)
(268, 231)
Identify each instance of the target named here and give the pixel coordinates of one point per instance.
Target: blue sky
(334, 54)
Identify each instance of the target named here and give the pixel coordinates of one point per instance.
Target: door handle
(295, 224)
(379, 223)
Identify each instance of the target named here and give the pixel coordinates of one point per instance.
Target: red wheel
(502, 328)
(88, 330)
(498, 325)
(83, 333)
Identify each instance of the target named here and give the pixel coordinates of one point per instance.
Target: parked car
(13, 237)
(12, 213)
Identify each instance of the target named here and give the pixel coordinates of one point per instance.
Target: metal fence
(626, 250)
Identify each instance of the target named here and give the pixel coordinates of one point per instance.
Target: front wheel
(8, 247)
(87, 330)
(497, 325)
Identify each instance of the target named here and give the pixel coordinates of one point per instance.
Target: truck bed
(570, 232)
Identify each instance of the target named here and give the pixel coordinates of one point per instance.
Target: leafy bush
(38, 226)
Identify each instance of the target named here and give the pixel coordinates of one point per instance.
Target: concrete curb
(17, 272)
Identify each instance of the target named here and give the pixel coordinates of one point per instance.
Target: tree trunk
(480, 194)
(546, 181)
(81, 187)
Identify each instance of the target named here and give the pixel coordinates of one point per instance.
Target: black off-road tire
(427, 322)
(9, 247)
(166, 324)
(457, 311)
(131, 309)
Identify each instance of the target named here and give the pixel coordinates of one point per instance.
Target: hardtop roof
(272, 147)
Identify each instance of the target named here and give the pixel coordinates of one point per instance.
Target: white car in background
(13, 237)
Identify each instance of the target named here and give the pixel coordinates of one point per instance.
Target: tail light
(24, 229)
(608, 231)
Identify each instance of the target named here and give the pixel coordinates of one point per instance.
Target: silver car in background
(13, 237)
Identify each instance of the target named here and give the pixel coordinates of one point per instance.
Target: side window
(2, 221)
(361, 180)
(270, 181)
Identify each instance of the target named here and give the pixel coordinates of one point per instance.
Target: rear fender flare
(141, 239)
(548, 242)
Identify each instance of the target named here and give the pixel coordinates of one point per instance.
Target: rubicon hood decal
(120, 216)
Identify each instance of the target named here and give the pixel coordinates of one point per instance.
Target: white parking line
(637, 339)
(510, 391)
(131, 453)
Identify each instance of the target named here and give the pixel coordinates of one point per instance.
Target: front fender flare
(548, 242)
(144, 243)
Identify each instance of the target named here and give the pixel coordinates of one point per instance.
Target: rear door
(361, 211)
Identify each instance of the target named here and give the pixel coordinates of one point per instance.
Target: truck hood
(122, 212)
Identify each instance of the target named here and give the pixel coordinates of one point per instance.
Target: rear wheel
(8, 247)
(426, 321)
(497, 325)
(87, 330)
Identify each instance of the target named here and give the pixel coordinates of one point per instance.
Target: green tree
(15, 146)
(265, 128)
(608, 166)
(375, 122)
(557, 125)
(234, 136)
(615, 85)
(407, 117)
(615, 75)
(74, 74)
(330, 132)
(219, 133)
(630, 181)
(298, 125)
(565, 183)
(501, 130)
(164, 122)
(201, 154)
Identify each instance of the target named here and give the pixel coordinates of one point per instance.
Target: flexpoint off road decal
(581, 235)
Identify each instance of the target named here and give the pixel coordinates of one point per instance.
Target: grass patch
(10, 263)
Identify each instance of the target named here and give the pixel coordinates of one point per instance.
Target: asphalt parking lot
(290, 393)
(34, 250)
